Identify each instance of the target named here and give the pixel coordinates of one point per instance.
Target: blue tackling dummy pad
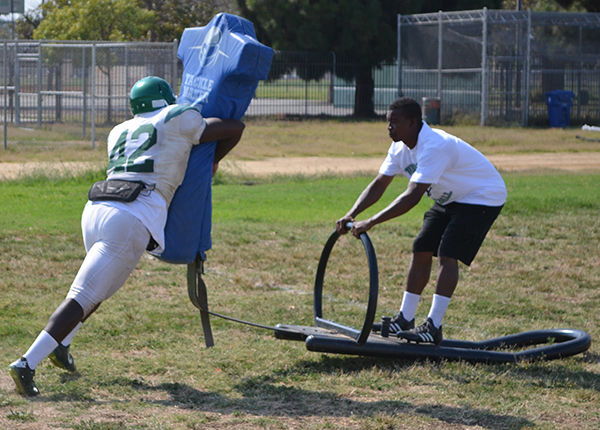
(222, 64)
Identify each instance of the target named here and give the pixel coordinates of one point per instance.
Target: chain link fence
(497, 66)
(77, 82)
(488, 67)
(88, 83)
(309, 84)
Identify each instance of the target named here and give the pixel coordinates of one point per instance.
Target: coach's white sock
(67, 340)
(438, 309)
(40, 349)
(410, 301)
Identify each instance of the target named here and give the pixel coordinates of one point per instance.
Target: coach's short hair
(409, 107)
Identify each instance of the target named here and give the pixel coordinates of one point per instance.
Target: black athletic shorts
(455, 230)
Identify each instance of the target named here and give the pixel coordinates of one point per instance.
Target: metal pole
(39, 87)
(127, 111)
(306, 86)
(399, 42)
(440, 51)
(17, 88)
(84, 68)
(331, 97)
(175, 79)
(484, 68)
(4, 75)
(93, 89)
(579, 74)
(12, 18)
(527, 72)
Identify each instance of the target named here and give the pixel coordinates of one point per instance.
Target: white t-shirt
(153, 147)
(456, 171)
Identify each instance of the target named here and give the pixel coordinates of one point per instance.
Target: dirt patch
(315, 165)
(585, 161)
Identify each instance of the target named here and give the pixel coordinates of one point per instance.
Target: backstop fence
(497, 66)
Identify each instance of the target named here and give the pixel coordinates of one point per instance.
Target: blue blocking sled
(222, 64)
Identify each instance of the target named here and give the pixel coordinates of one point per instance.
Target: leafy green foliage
(554, 5)
(174, 16)
(119, 20)
(360, 33)
(114, 20)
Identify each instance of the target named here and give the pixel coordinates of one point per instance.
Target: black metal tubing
(359, 336)
(560, 343)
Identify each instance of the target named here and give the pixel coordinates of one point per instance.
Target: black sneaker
(23, 377)
(61, 358)
(425, 333)
(397, 324)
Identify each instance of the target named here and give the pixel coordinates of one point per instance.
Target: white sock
(409, 305)
(67, 340)
(40, 349)
(438, 309)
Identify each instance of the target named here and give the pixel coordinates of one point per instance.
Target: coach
(468, 192)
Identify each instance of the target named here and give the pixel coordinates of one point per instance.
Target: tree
(552, 50)
(551, 5)
(113, 20)
(584, 5)
(170, 18)
(27, 23)
(110, 20)
(362, 33)
(174, 16)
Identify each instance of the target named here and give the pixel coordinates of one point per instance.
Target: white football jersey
(456, 171)
(154, 147)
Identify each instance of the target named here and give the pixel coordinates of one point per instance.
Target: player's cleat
(425, 333)
(62, 359)
(23, 375)
(397, 324)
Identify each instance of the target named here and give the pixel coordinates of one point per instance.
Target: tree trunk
(364, 106)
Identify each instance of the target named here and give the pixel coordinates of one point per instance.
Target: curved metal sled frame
(339, 339)
(335, 338)
(560, 343)
(360, 336)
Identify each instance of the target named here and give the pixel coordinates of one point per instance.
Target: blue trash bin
(559, 107)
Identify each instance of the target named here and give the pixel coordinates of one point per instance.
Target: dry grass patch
(332, 138)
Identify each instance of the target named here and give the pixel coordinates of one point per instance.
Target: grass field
(141, 357)
(262, 138)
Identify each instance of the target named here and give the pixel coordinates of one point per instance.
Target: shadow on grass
(536, 373)
(266, 396)
(559, 376)
(263, 398)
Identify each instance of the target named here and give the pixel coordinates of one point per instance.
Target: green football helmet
(149, 94)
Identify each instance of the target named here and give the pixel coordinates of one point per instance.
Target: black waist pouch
(116, 190)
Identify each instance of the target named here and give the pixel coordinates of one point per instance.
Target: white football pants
(115, 241)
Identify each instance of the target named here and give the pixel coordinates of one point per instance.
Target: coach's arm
(405, 202)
